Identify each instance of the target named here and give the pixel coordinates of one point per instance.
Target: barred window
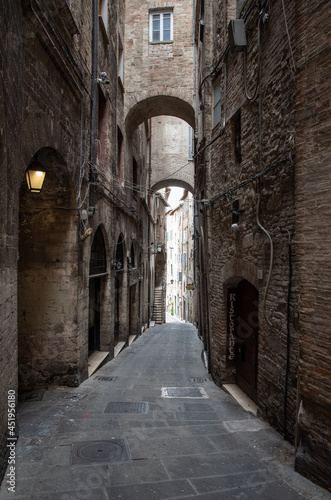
(98, 254)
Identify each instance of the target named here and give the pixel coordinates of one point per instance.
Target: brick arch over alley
(159, 74)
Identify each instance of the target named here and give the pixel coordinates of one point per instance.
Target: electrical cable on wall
(253, 97)
(271, 259)
(289, 159)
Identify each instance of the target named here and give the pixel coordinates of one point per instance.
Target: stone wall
(10, 112)
(313, 125)
(47, 237)
(158, 76)
(170, 152)
(259, 176)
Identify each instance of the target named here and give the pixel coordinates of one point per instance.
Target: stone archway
(172, 183)
(48, 278)
(171, 153)
(158, 105)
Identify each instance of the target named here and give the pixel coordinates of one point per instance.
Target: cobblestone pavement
(151, 425)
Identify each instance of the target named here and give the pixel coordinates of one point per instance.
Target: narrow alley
(151, 424)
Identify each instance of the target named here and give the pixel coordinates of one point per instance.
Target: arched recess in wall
(99, 294)
(47, 278)
(157, 106)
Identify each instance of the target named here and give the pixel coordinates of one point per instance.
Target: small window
(190, 143)
(120, 155)
(103, 13)
(133, 264)
(217, 103)
(135, 176)
(102, 127)
(201, 21)
(236, 134)
(161, 27)
(121, 63)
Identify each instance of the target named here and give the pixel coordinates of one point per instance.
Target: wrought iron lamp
(35, 180)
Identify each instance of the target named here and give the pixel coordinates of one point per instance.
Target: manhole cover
(127, 407)
(198, 380)
(105, 379)
(183, 392)
(74, 397)
(99, 451)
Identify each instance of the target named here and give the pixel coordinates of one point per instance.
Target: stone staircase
(159, 306)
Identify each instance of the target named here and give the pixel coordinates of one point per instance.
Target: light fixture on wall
(35, 180)
(117, 265)
(159, 248)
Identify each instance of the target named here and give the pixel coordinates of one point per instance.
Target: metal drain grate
(184, 392)
(198, 380)
(127, 407)
(73, 397)
(105, 379)
(100, 451)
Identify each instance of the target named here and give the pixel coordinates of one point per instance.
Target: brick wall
(45, 113)
(267, 128)
(313, 125)
(10, 112)
(170, 141)
(158, 76)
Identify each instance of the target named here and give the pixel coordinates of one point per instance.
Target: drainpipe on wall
(94, 108)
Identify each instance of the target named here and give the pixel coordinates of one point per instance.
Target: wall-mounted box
(237, 35)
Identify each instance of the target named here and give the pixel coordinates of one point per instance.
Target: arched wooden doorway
(246, 302)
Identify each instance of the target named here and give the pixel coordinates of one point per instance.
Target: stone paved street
(118, 437)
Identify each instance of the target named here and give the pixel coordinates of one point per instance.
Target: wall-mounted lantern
(35, 180)
(159, 248)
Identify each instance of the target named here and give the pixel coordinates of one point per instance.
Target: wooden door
(247, 339)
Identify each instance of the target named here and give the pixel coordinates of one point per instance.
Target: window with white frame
(217, 107)
(161, 26)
